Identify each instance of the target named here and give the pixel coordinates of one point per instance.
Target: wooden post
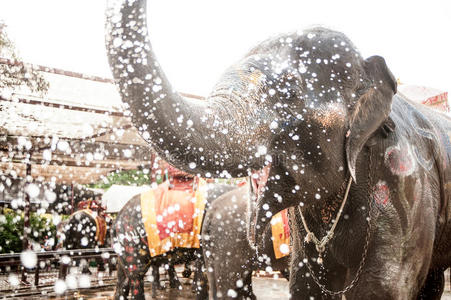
(36, 274)
(72, 198)
(26, 221)
(63, 270)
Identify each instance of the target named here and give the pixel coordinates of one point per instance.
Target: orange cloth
(280, 234)
(172, 218)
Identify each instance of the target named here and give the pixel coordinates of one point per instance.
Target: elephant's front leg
(187, 271)
(136, 262)
(200, 283)
(174, 281)
(156, 284)
(122, 285)
(137, 287)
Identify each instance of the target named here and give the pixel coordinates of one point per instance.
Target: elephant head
(305, 103)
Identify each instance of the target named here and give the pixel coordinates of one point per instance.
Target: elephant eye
(362, 89)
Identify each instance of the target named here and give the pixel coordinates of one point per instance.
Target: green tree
(127, 177)
(12, 226)
(13, 72)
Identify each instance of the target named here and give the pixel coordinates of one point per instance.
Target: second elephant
(133, 249)
(228, 257)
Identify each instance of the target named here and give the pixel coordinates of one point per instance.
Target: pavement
(264, 288)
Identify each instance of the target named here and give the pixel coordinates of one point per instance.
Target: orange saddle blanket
(172, 218)
(280, 234)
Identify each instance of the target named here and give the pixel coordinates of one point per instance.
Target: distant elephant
(134, 257)
(364, 172)
(84, 229)
(228, 257)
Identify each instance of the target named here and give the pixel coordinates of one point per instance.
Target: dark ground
(266, 288)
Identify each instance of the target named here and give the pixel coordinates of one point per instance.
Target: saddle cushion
(172, 218)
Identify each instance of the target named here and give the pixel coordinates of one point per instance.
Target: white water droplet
(84, 281)
(284, 249)
(232, 293)
(32, 190)
(117, 42)
(317, 196)
(273, 125)
(65, 259)
(261, 150)
(29, 259)
(192, 165)
(13, 280)
(63, 146)
(71, 282)
(60, 286)
(239, 283)
(50, 196)
(302, 69)
(47, 154)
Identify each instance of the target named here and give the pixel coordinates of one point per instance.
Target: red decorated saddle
(101, 226)
(172, 217)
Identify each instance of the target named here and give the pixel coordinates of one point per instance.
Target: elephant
(81, 231)
(228, 256)
(134, 259)
(364, 171)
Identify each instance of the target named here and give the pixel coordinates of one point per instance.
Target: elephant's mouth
(258, 181)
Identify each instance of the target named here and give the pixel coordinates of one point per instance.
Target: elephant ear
(371, 110)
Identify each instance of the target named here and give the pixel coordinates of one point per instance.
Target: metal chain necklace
(321, 244)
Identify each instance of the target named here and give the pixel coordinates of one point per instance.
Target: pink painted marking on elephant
(381, 193)
(400, 160)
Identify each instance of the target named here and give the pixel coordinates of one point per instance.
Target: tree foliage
(12, 227)
(15, 73)
(128, 177)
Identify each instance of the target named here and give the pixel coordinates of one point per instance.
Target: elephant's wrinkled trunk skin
(214, 138)
(261, 218)
(259, 210)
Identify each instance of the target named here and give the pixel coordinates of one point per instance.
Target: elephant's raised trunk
(216, 137)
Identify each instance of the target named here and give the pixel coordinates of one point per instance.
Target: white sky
(197, 40)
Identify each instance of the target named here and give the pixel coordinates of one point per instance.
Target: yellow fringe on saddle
(280, 234)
